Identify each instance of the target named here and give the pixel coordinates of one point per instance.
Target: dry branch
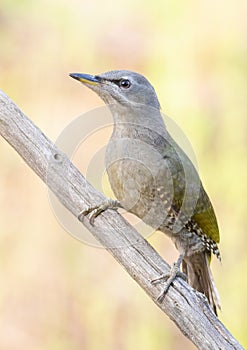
(187, 308)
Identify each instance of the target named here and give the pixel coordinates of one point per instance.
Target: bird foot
(95, 211)
(169, 278)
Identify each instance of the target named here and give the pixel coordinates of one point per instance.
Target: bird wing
(189, 190)
(204, 216)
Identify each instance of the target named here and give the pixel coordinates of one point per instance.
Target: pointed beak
(86, 78)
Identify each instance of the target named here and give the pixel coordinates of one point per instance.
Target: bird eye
(124, 83)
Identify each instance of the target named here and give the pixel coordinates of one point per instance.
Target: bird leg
(93, 212)
(170, 277)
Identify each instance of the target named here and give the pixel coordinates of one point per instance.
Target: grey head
(121, 87)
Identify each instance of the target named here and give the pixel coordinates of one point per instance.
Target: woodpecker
(152, 177)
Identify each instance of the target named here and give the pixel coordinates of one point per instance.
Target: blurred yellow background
(56, 292)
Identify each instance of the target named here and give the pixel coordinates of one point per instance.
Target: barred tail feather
(197, 269)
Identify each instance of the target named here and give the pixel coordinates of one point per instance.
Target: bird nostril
(97, 77)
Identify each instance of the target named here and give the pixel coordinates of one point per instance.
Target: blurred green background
(57, 293)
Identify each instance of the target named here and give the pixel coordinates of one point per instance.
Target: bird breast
(134, 168)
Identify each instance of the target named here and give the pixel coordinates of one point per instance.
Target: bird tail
(200, 277)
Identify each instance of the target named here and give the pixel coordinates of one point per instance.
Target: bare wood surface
(187, 308)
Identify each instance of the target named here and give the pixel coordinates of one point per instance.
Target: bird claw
(169, 278)
(93, 212)
(166, 276)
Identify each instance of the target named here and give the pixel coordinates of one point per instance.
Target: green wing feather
(205, 217)
(203, 212)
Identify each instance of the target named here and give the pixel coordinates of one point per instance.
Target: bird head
(121, 87)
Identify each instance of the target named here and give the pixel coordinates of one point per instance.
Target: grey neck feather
(139, 116)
